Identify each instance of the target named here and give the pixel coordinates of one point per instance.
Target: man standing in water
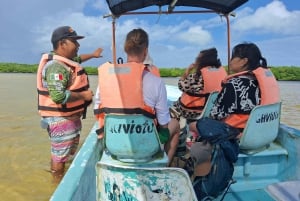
(63, 95)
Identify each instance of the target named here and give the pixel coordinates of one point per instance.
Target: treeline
(284, 73)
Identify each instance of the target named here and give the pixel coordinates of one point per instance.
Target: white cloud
(174, 40)
(273, 18)
(28, 27)
(195, 35)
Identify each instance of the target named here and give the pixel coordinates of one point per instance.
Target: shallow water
(25, 147)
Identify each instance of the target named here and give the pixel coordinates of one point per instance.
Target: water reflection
(290, 97)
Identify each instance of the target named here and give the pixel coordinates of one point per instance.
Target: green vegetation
(287, 73)
(17, 68)
(32, 68)
(171, 72)
(284, 73)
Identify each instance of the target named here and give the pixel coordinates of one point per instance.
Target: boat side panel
(289, 138)
(279, 163)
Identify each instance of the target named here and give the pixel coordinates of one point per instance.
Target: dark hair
(208, 57)
(136, 41)
(252, 53)
(55, 45)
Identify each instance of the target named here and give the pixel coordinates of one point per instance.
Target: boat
(267, 168)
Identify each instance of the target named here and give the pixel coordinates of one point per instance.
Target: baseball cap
(64, 32)
(201, 154)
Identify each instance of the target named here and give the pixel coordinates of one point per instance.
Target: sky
(175, 40)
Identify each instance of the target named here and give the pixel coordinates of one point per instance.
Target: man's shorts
(64, 135)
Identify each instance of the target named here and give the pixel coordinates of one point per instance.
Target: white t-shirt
(155, 95)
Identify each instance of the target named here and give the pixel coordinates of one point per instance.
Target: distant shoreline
(282, 73)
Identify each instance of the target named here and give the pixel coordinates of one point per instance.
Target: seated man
(150, 98)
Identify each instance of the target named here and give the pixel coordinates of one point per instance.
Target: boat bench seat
(143, 183)
(273, 149)
(253, 171)
(209, 104)
(287, 191)
(160, 160)
(260, 155)
(261, 129)
(131, 138)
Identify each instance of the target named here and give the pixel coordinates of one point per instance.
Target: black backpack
(225, 152)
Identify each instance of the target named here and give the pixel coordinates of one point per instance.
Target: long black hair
(252, 53)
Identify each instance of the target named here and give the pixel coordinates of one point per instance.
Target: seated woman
(199, 80)
(252, 83)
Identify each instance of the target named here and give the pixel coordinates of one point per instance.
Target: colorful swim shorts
(64, 135)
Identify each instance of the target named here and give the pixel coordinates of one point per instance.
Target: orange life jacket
(80, 83)
(212, 78)
(121, 91)
(269, 91)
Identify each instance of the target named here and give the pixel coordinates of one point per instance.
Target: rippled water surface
(25, 147)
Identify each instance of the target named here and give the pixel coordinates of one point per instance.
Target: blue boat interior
(265, 174)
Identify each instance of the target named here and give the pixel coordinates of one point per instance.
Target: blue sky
(175, 40)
